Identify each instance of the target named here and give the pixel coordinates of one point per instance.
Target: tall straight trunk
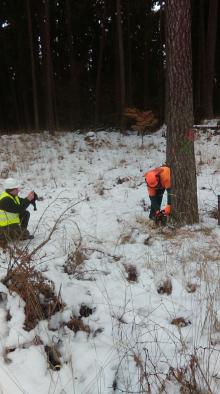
(16, 105)
(12, 83)
(21, 91)
(121, 62)
(180, 143)
(200, 91)
(161, 76)
(210, 57)
(74, 82)
(48, 69)
(129, 57)
(99, 68)
(25, 107)
(33, 72)
(146, 100)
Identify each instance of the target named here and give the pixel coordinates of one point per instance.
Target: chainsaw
(161, 219)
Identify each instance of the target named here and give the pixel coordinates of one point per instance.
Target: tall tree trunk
(121, 62)
(21, 91)
(200, 67)
(14, 90)
(48, 69)
(74, 81)
(11, 83)
(99, 68)
(129, 57)
(180, 144)
(33, 72)
(146, 99)
(161, 91)
(210, 57)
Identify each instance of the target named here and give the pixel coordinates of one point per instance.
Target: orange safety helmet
(152, 179)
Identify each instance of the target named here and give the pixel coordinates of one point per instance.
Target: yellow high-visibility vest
(7, 218)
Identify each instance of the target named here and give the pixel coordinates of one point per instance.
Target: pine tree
(180, 139)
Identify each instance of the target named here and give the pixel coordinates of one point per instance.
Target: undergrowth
(36, 291)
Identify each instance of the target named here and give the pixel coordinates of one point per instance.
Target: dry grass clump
(36, 291)
(165, 287)
(121, 180)
(129, 236)
(144, 223)
(132, 275)
(191, 287)
(126, 238)
(187, 377)
(75, 260)
(76, 324)
(180, 322)
(99, 187)
(143, 220)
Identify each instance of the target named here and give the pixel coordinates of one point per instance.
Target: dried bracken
(37, 292)
(143, 119)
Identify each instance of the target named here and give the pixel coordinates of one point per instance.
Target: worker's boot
(25, 235)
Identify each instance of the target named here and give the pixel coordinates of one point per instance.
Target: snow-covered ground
(104, 255)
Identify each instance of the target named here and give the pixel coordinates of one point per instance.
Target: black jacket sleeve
(169, 196)
(9, 205)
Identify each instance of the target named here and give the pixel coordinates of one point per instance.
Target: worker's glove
(167, 210)
(33, 202)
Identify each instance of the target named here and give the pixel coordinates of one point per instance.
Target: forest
(112, 286)
(75, 64)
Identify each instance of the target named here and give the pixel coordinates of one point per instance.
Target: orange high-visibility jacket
(164, 176)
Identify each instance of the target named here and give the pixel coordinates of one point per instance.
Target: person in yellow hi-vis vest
(158, 180)
(14, 217)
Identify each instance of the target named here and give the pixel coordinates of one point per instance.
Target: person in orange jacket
(158, 180)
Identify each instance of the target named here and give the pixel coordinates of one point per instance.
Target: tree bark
(48, 69)
(180, 141)
(99, 68)
(199, 61)
(33, 72)
(146, 100)
(129, 58)
(162, 89)
(74, 80)
(210, 57)
(121, 62)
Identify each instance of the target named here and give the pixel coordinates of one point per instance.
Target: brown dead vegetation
(76, 324)
(132, 275)
(191, 287)
(165, 287)
(75, 259)
(180, 322)
(143, 120)
(187, 377)
(36, 291)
